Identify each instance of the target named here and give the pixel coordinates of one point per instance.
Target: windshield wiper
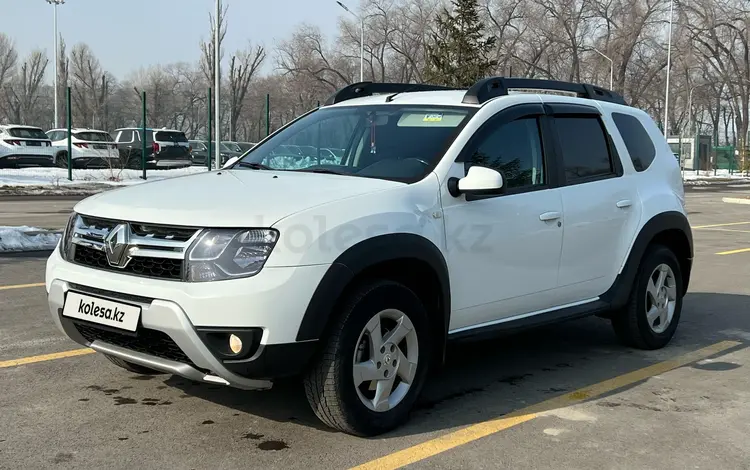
(322, 170)
(254, 166)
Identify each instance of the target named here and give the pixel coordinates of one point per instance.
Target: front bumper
(173, 315)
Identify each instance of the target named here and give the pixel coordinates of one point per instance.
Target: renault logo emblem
(116, 246)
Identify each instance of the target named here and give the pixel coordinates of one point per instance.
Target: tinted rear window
(584, 148)
(639, 144)
(27, 133)
(94, 136)
(163, 136)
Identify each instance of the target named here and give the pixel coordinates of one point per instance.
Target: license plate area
(106, 312)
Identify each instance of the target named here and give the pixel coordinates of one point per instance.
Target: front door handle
(547, 216)
(624, 203)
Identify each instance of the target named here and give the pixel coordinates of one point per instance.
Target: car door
(504, 249)
(600, 202)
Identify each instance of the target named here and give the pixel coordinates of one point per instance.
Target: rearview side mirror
(478, 181)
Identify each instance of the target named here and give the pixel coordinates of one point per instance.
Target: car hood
(227, 198)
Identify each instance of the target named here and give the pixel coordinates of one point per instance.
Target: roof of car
(440, 98)
(148, 129)
(78, 129)
(23, 126)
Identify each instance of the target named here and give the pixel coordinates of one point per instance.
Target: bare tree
(91, 87)
(208, 54)
(63, 73)
(243, 67)
(22, 95)
(8, 59)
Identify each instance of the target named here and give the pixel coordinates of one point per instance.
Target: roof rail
(358, 90)
(493, 87)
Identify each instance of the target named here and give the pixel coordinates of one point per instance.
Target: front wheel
(652, 313)
(374, 362)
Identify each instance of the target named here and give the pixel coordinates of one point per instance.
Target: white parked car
(24, 146)
(90, 148)
(451, 214)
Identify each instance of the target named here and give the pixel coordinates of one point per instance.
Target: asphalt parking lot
(565, 396)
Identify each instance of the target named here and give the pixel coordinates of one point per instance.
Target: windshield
(395, 142)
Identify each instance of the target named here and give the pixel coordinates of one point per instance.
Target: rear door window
(584, 147)
(169, 136)
(27, 133)
(638, 142)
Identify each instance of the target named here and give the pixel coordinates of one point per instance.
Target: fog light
(235, 344)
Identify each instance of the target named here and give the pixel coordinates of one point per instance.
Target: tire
(129, 366)
(632, 324)
(330, 384)
(61, 160)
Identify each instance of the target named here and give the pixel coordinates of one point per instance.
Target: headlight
(229, 254)
(67, 236)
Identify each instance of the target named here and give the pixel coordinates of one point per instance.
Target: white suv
(89, 148)
(24, 146)
(451, 214)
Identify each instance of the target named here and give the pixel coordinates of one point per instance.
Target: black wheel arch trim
(363, 255)
(617, 295)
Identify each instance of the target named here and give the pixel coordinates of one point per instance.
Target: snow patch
(58, 177)
(27, 239)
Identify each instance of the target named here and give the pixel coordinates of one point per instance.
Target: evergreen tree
(459, 53)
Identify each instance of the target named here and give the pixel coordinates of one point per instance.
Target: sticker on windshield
(432, 118)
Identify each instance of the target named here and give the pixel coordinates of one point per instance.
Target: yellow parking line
(22, 286)
(726, 230)
(732, 252)
(476, 431)
(45, 357)
(720, 225)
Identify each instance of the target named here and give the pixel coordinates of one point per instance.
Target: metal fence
(148, 141)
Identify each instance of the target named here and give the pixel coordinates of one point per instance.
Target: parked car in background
(165, 148)
(24, 146)
(199, 152)
(90, 148)
(245, 146)
(233, 146)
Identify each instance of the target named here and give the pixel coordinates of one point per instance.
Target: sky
(128, 34)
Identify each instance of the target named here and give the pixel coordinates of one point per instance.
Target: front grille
(146, 341)
(154, 250)
(164, 268)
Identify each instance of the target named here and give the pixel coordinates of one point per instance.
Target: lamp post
(361, 41)
(55, 3)
(217, 84)
(611, 65)
(669, 63)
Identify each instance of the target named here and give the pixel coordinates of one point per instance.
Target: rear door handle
(547, 216)
(624, 203)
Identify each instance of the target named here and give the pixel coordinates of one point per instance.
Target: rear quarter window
(638, 142)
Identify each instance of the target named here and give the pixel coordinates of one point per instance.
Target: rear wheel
(650, 318)
(61, 160)
(129, 366)
(374, 362)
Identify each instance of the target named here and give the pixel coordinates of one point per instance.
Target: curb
(736, 200)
